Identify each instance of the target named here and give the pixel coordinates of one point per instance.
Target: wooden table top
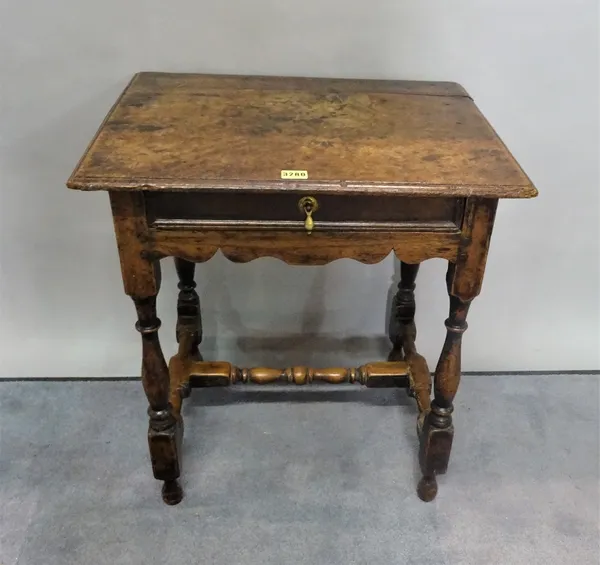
(195, 132)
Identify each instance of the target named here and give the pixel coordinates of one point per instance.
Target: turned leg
(141, 279)
(165, 430)
(403, 308)
(464, 280)
(438, 431)
(189, 320)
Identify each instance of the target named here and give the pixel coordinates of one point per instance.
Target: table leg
(189, 318)
(164, 431)
(141, 280)
(403, 308)
(464, 280)
(438, 431)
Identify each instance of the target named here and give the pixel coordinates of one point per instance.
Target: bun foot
(172, 493)
(427, 489)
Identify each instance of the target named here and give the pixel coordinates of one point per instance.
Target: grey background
(531, 65)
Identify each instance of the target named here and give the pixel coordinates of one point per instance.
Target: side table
(308, 171)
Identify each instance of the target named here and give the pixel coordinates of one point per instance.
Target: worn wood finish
(189, 320)
(403, 335)
(193, 132)
(319, 248)
(193, 164)
(141, 279)
(273, 209)
(164, 431)
(373, 375)
(179, 371)
(403, 307)
(419, 375)
(477, 227)
(464, 279)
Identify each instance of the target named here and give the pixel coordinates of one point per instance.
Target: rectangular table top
(197, 132)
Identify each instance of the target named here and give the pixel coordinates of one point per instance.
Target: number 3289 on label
(298, 175)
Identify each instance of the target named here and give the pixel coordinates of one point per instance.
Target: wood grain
(195, 132)
(222, 373)
(420, 376)
(165, 427)
(318, 248)
(478, 224)
(448, 369)
(189, 317)
(190, 83)
(192, 164)
(241, 208)
(141, 277)
(463, 280)
(403, 308)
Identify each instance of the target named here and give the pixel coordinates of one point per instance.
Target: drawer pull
(308, 205)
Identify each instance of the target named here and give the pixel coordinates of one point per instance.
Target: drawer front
(282, 211)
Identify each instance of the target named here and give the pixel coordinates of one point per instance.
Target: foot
(427, 489)
(172, 493)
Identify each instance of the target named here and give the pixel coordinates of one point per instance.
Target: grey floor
(307, 476)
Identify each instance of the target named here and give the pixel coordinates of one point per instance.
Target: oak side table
(308, 171)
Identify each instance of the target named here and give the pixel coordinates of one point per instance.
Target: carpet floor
(319, 476)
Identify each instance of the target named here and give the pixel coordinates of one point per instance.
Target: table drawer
(283, 211)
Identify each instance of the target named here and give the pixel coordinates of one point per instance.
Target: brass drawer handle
(308, 205)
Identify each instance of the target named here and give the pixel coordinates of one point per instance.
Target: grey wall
(531, 65)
